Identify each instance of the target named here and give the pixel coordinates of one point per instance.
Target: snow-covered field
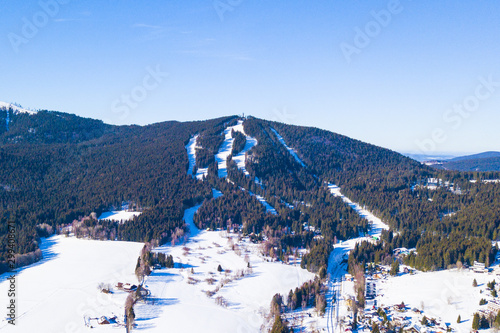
(55, 294)
(180, 302)
(120, 215)
(60, 292)
(444, 294)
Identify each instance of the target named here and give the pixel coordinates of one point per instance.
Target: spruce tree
(279, 326)
(475, 321)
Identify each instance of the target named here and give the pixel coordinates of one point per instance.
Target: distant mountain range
(485, 162)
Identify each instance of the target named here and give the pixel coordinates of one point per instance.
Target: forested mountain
(56, 169)
(438, 221)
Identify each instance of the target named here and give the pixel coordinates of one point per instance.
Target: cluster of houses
(399, 316)
(390, 318)
(435, 183)
(383, 272)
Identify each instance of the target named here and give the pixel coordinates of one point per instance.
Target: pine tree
(279, 326)
(474, 283)
(375, 328)
(394, 268)
(459, 319)
(475, 321)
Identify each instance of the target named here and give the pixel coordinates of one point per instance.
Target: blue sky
(408, 75)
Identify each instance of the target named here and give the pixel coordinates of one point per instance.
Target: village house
(479, 267)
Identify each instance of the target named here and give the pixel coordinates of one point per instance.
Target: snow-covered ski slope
(290, 150)
(16, 109)
(227, 147)
(337, 265)
(376, 224)
(191, 151)
(269, 208)
(222, 155)
(55, 294)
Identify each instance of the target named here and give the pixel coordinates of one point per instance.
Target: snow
(290, 150)
(120, 215)
(191, 151)
(58, 293)
(216, 193)
(376, 224)
(55, 294)
(269, 208)
(443, 294)
(251, 142)
(338, 288)
(179, 306)
(227, 147)
(16, 109)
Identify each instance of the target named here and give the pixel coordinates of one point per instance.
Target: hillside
(61, 171)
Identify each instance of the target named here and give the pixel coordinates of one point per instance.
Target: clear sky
(407, 75)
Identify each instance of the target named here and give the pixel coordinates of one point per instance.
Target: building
(479, 267)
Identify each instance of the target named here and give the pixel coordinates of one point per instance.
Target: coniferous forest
(57, 169)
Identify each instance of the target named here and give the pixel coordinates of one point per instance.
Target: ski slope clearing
(339, 289)
(269, 208)
(290, 150)
(227, 147)
(240, 158)
(16, 109)
(191, 151)
(120, 215)
(376, 224)
(55, 294)
(194, 296)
